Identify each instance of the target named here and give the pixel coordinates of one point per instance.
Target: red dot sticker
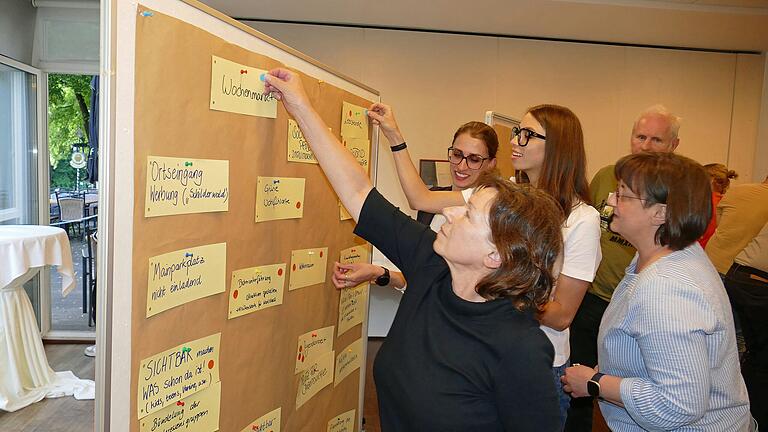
(210, 364)
(321, 254)
(298, 204)
(294, 267)
(279, 272)
(234, 294)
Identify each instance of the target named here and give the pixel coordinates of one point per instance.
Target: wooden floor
(371, 407)
(65, 414)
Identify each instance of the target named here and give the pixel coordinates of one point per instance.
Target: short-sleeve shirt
(449, 364)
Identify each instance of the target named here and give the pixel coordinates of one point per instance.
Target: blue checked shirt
(668, 332)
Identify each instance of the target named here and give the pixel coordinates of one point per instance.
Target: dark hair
(564, 174)
(680, 183)
(721, 176)
(526, 229)
(483, 132)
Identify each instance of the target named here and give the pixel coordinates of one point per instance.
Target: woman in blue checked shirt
(667, 346)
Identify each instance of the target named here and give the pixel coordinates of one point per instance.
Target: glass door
(20, 135)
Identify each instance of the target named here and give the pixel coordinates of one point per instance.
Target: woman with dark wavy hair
(667, 346)
(465, 352)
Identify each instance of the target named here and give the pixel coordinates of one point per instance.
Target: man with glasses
(655, 130)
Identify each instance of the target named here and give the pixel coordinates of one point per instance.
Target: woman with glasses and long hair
(472, 152)
(547, 152)
(667, 346)
(465, 352)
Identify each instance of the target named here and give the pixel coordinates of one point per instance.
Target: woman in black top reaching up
(465, 351)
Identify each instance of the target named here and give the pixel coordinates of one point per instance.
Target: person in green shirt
(655, 130)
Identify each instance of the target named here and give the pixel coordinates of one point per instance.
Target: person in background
(472, 152)
(667, 346)
(548, 153)
(721, 180)
(739, 251)
(655, 130)
(465, 352)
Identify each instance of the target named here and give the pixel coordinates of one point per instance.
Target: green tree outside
(69, 97)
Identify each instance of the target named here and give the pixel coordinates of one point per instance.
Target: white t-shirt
(439, 219)
(581, 257)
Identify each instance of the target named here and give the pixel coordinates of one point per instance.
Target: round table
(26, 376)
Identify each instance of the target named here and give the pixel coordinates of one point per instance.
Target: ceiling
(727, 25)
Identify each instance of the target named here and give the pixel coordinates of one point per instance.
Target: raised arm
(347, 177)
(418, 195)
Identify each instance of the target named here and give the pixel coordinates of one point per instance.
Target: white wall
(436, 82)
(17, 29)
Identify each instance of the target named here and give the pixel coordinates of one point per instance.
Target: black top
(449, 364)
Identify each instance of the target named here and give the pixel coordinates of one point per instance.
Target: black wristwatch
(593, 385)
(383, 280)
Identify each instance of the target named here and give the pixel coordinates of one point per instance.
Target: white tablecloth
(25, 376)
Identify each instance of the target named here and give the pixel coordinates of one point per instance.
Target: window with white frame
(18, 146)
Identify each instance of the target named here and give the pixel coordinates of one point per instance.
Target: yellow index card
(279, 198)
(344, 422)
(185, 275)
(185, 185)
(352, 301)
(196, 413)
(315, 378)
(269, 422)
(298, 147)
(352, 305)
(172, 375)
(354, 121)
(348, 360)
(238, 88)
(360, 149)
(312, 345)
(308, 267)
(343, 213)
(256, 288)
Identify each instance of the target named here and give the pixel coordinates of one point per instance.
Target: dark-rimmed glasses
(525, 134)
(474, 161)
(619, 195)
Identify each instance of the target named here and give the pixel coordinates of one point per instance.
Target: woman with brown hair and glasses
(667, 347)
(548, 153)
(465, 352)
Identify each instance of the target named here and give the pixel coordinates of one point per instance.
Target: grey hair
(662, 111)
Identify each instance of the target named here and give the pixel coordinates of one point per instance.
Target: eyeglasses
(474, 161)
(525, 134)
(619, 195)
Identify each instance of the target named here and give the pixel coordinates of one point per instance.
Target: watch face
(593, 388)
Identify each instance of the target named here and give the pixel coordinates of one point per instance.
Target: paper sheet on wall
(443, 173)
(354, 121)
(348, 360)
(269, 422)
(185, 275)
(256, 288)
(313, 345)
(238, 88)
(352, 301)
(360, 149)
(177, 373)
(196, 413)
(344, 422)
(186, 185)
(279, 198)
(308, 267)
(298, 147)
(315, 378)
